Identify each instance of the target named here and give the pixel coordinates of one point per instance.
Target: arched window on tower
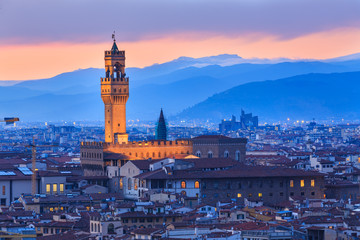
(210, 154)
(198, 154)
(226, 154)
(117, 70)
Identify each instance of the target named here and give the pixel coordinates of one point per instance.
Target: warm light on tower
(115, 93)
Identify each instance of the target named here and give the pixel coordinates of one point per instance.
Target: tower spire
(114, 48)
(161, 131)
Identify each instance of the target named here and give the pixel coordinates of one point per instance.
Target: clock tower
(115, 93)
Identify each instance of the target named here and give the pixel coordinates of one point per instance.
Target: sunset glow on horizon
(42, 52)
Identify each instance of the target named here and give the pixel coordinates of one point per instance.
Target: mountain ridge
(150, 88)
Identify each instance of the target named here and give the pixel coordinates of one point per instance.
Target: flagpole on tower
(113, 36)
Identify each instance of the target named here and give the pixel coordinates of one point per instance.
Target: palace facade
(105, 158)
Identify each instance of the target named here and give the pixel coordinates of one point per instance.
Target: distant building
(247, 121)
(161, 131)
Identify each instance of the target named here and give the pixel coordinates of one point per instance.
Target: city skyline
(86, 155)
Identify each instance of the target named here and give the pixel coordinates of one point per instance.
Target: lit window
(239, 195)
(312, 182)
(260, 194)
(54, 188)
(121, 184)
(302, 183)
(3, 190)
(135, 184)
(197, 184)
(291, 183)
(61, 187)
(183, 184)
(48, 188)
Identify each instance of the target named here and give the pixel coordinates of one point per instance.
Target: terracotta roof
(69, 235)
(201, 163)
(211, 137)
(111, 156)
(142, 164)
(146, 231)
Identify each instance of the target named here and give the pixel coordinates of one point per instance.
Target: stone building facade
(268, 189)
(255, 183)
(218, 146)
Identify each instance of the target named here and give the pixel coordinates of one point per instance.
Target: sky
(42, 38)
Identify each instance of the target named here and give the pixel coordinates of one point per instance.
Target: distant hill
(301, 97)
(175, 86)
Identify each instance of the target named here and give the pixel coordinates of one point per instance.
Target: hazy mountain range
(211, 87)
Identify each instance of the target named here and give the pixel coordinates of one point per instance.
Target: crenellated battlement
(111, 53)
(122, 80)
(135, 144)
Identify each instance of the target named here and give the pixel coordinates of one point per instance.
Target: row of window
(108, 90)
(260, 195)
(302, 183)
(131, 183)
(159, 154)
(91, 155)
(153, 155)
(54, 188)
(142, 220)
(226, 154)
(57, 230)
(196, 184)
(249, 184)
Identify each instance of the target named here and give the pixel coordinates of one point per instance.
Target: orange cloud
(23, 62)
